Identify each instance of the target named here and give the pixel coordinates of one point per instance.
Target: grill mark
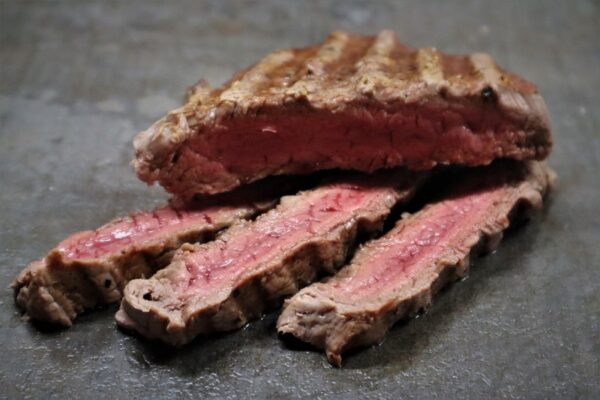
(429, 66)
(462, 77)
(400, 76)
(329, 52)
(458, 68)
(321, 67)
(372, 71)
(304, 259)
(486, 69)
(291, 72)
(78, 283)
(322, 316)
(238, 75)
(257, 77)
(338, 78)
(345, 71)
(403, 69)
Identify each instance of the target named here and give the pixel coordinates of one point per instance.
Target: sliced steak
(352, 102)
(395, 276)
(91, 268)
(219, 286)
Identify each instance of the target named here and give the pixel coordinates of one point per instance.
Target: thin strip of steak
(396, 276)
(219, 286)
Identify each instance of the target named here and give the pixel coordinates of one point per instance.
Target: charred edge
(333, 72)
(484, 241)
(79, 287)
(300, 269)
(487, 241)
(489, 95)
(292, 342)
(262, 292)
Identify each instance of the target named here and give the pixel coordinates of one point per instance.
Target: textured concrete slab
(79, 79)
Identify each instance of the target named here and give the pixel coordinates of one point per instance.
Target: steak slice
(91, 268)
(352, 102)
(219, 286)
(395, 276)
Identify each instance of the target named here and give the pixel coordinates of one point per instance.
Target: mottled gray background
(78, 79)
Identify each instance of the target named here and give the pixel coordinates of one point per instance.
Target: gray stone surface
(79, 78)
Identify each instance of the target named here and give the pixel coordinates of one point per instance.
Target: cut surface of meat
(219, 286)
(395, 276)
(91, 268)
(353, 102)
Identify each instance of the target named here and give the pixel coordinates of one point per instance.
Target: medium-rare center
(219, 286)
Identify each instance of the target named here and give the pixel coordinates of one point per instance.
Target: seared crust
(319, 316)
(168, 308)
(56, 289)
(72, 279)
(345, 74)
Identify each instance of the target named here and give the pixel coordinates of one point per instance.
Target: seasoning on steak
(395, 276)
(91, 268)
(219, 286)
(353, 102)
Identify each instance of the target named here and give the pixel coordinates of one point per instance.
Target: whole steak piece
(396, 276)
(352, 102)
(220, 285)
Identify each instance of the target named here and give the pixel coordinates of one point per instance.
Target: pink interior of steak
(138, 228)
(221, 263)
(418, 136)
(402, 254)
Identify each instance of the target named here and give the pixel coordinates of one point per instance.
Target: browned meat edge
(349, 81)
(156, 308)
(314, 315)
(54, 290)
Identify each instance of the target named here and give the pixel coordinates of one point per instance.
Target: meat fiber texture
(352, 102)
(91, 268)
(220, 285)
(396, 276)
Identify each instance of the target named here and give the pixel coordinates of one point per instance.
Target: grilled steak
(91, 268)
(353, 102)
(396, 276)
(219, 286)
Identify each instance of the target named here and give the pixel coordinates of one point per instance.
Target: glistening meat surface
(352, 102)
(91, 268)
(396, 275)
(219, 286)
